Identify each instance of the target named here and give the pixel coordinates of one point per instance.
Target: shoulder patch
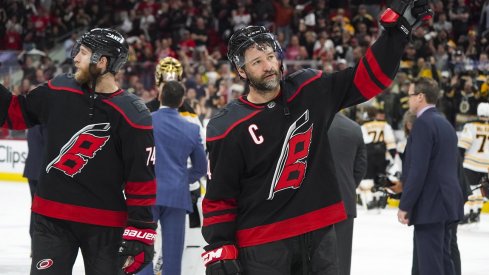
(132, 108)
(228, 118)
(65, 82)
(294, 83)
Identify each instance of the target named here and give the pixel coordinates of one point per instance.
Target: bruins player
(379, 138)
(474, 148)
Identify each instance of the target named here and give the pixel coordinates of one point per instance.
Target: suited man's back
(349, 151)
(175, 140)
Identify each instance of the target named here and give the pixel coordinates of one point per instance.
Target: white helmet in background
(483, 109)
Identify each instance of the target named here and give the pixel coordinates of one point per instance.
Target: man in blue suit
(432, 196)
(176, 140)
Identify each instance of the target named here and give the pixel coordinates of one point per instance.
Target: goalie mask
(104, 42)
(168, 69)
(244, 38)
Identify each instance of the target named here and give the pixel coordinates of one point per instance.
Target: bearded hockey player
(97, 185)
(474, 148)
(272, 195)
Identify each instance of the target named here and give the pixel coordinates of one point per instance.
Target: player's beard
(265, 84)
(82, 75)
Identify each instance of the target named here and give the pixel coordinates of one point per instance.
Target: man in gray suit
(350, 155)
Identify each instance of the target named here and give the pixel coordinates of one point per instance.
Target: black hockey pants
(55, 245)
(312, 253)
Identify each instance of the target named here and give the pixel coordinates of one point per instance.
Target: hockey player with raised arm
(272, 194)
(97, 184)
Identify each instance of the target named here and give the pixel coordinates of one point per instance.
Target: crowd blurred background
(36, 37)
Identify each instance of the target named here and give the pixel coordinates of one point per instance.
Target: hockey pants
(55, 245)
(312, 253)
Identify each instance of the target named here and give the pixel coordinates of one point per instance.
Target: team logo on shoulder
(83, 146)
(292, 164)
(44, 264)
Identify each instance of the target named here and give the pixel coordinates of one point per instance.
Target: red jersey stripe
(150, 127)
(318, 75)
(209, 206)
(364, 83)
(78, 213)
(232, 126)
(140, 202)
(291, 227)
(377, 71)
(141, 188)
(63, 88)
(219, 219)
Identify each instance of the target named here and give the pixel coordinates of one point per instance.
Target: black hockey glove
(194, 217)
(195, 191)
(222, 261)
(406, 15)
(137, 248)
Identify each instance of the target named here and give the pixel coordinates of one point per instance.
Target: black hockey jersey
(272, 175)
(97, 168)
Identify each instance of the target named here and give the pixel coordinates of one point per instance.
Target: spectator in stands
(240, 17)
(263, 12)
(284, 13)
(364, 17)
(459, 15)
(442, 23)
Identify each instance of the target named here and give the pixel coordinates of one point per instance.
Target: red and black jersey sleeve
(226, 165)
(374, 73)
(377, 69)
(22, 112)
(135, 132)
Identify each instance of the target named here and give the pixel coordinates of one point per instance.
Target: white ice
(380, 244)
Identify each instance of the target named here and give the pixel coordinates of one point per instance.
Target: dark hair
(172, 94)
(429, 88)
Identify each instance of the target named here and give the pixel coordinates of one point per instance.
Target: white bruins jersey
(378, 131)
(475, 140)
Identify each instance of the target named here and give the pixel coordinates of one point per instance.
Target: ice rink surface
(380, 244)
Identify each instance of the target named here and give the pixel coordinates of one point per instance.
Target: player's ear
(103, 62)
(242, 73)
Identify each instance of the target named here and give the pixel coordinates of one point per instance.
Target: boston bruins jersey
(98, 165)
(271, 171)
(378, 131)
(475, 140)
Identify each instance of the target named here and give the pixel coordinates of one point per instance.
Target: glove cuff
(226, 252)
(146, 236)
(142, 224)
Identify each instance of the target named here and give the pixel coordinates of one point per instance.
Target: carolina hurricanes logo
(44, 264)
(292, 164)
(83, 146)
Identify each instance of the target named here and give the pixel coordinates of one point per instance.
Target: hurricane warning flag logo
(81, 147)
